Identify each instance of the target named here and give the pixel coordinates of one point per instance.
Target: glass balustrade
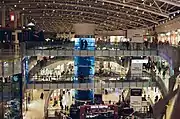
(95, 84)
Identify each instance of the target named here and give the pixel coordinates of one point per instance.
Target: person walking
(164, 73)
(81, 44)
(29, 99)
(85, 44)
(42, 96)
(159, 69)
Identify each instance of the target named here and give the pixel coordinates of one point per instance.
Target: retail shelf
(95, 84)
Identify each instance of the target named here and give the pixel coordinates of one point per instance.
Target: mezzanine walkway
(106, 49)
(95, 84)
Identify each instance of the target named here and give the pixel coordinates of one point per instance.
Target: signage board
(136, 99)
(136, 35)
(12, 16)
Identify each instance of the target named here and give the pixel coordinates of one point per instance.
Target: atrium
(89, 59)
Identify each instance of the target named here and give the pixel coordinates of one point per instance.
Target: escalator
(43, 63)
(160, 84)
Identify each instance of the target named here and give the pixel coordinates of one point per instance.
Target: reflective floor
(68, 100)
(36, 106)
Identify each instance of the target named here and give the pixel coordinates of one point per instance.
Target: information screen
(136, 92)
(84, 43)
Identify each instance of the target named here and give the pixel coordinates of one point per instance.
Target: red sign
(91, 110)
(12, 16)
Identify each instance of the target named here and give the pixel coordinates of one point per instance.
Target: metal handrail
(102, 45)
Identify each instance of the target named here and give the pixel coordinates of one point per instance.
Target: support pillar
(26, 21)
(3, 18)
(2, 86)
(16, 20)
(84, 66)
(22, 20)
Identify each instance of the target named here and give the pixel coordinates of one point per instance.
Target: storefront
(172, 37)
(111, 39)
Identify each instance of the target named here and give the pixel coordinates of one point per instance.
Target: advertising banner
(84, 68)
(136, 35)
(136, 68)
(136, 99)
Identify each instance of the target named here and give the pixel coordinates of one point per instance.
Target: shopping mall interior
(89, 59)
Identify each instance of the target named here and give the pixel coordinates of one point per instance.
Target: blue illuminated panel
(26, 69)
(83, 68)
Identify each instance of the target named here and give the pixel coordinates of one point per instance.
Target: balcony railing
(71, 77)
(101, 49)
(67, 49)
(95, 84)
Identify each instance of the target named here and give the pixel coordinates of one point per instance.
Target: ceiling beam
(171, 13)
(170, 2)
(79, 17)
(87, 7)
(116, 18)
(135, 7)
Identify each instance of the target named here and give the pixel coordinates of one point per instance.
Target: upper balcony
(9, 51)
(101, 49)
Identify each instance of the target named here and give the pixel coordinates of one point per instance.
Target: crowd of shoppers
(157, 66)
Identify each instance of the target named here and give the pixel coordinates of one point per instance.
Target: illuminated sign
(12, 17)
(99, 106)
(140, 61)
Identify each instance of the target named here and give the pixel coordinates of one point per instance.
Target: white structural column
(26, 20)
(17, 17)
(84, 29)
(22, 20)
(3, 17)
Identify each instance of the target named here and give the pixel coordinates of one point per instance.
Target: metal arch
(95, 14)
(101, 27)
(65, 20)
(170, 2)
(118, 3)
(95, 8)
(151, 7)
(131, 6)
(89, 18)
